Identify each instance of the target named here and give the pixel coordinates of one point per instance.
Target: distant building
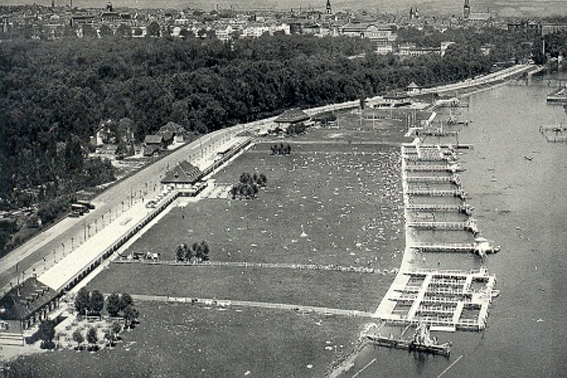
(382, 35)
(466, 10)
(152, 144)
(475, 16)
(412, 50)
(328, 9)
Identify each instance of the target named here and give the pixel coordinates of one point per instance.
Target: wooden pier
(459, 193)
(454, 179)
(482, 247)
(442, 297)
(464, 208)
(469, 225)
(411, 157)
(453, 168)
(438, 132)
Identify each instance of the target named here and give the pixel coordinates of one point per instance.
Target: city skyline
(504, 8)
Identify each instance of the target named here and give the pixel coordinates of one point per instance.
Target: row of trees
(93, 303)
(248, 185)
(111, 336)
(280, 149)
(198, 251)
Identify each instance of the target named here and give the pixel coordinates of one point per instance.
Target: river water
(517, 183)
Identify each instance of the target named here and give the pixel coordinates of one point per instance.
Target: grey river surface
(521, 205)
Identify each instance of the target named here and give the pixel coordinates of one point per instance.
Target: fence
(241, 264)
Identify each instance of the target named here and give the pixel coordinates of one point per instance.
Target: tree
(78, 338)
(203, 251)
(82, 301)
(131, 315)
(96, 302)
(125, 301)
(105, 31)
(153, 29)
(46, 333)
(181, 252)
(113, 304)
(124, 31)
(263, 180)
(92, 336)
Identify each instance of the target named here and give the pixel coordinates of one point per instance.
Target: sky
(506, 8)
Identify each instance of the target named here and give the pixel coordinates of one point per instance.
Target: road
(65, 236)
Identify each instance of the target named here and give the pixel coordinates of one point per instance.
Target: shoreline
(408, 257)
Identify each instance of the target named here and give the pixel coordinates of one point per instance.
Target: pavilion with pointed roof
(292, 116)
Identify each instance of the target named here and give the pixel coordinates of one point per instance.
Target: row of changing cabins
(30, 301)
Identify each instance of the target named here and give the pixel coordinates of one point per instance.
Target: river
(517, 183)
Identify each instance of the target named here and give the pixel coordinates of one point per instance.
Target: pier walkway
(454, 179)
(464, 208)
(459, 193)
(453, 168)
(469, 225)
(442, 298)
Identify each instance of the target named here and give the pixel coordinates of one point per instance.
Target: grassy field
(191, 341)
(324, 204)
(349, 291)
(335, 200)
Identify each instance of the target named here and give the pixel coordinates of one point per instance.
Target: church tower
(328, 9)
(466, 10)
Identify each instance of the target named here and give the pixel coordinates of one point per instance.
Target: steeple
(328, 9)
(466, 9)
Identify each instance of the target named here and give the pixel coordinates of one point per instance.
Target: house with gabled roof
(291, 117)
(28, 302)
(152, 144)
(183, 175)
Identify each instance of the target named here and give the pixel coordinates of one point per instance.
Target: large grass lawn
(335, 200)
(323, 204)
(191, 341)
(350, 291)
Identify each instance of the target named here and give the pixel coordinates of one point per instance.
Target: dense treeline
(54, 95)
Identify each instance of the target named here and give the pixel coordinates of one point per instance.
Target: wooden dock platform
(453, 179)
(442, 297)
(464, 208)
(453, 168)
(459, 193)
(469, 225)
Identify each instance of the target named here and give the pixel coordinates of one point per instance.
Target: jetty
(454, 179)
(464, 208)
(469, 225)
(480, 247)
(446, 300)
(429, 157)
(459, 193)
(440, 132)
(452, 168)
